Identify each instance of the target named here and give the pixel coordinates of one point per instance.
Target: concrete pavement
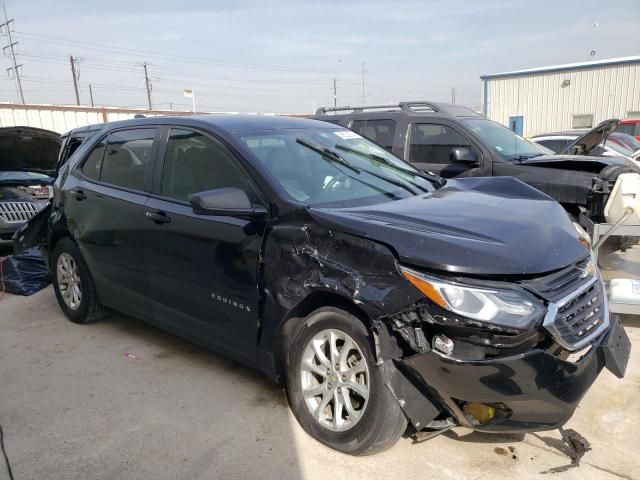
(120, 399)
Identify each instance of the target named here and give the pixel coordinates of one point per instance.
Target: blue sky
(282, 56)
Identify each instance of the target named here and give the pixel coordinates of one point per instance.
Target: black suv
(379, 294)
(454, 141)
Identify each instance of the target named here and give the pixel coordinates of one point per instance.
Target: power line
(11, 44)
(186, 59)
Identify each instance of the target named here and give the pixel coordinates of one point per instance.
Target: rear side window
(358, 126)
(380, 131)
(432, 143)
(195, 163)
(628, 128)
(93, 163)
(126, 158)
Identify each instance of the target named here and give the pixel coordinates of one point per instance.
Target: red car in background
(630, 126)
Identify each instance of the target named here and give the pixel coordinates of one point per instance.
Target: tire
(86, 309)
(377, 422)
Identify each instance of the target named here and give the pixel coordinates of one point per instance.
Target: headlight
(585, 238)
(503, 307)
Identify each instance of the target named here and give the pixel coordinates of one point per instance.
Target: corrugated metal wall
(606, 92)
(64, 118)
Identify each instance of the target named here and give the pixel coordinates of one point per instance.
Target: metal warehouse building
(563, 97)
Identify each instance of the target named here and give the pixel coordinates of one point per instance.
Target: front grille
(580, 317)
(19, 212)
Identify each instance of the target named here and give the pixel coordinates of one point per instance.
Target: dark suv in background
(454, 141)
(378, 294)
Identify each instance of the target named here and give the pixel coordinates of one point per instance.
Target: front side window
(126, 157)
(329, 167)
(195, 163)
(432, 143)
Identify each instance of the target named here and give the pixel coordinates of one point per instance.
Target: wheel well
(304, 308)
(55, 237)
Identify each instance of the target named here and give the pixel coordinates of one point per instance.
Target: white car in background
(601, 141)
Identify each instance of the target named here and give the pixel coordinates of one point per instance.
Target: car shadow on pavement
(123, 399)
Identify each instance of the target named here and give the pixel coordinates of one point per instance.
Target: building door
(516, 124)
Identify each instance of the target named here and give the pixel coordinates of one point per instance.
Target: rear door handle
(77, 194)
(158, 217)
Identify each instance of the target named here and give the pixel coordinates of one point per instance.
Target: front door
(516, 124)
(203, 270)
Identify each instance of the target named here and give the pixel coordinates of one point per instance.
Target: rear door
(203, 270)
(104, 202)
(429, 147)
(381, 131)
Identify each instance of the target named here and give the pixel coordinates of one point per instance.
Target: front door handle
(158, 217)
(78, 194)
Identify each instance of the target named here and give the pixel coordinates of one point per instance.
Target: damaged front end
(27, 173)
(500, 326)
(497, 378)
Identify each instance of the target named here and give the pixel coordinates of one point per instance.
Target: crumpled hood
(29, 149)
(577, 162)
(479, 226)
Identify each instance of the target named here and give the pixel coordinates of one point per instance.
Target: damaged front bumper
(532, 391)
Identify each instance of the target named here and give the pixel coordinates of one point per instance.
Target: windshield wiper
(381, 159)
(334, 156)
(328, 154)
(521, 158)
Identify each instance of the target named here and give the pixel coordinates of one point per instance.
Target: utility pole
(148, 84)
(91, 95)
(76, 75)
(363, 71)
(11, 44)
(453, 95)
(335, 94)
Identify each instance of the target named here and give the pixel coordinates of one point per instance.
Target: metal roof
(565, 67)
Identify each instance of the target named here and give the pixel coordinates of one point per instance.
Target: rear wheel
(335, 390)
(73, 284)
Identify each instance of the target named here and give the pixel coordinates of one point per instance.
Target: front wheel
(335, 389)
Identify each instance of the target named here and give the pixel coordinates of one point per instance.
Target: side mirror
(463, 155)
(231, 202)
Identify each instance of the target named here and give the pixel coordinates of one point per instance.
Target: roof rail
(413, 107)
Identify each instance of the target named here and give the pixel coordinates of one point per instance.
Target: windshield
(625, 140)
(619, 148)
(334, 167)
(502, 140)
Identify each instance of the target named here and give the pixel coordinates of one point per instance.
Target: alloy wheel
(335, 380)
(69, 283)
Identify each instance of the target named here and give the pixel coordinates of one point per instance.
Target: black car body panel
(239, 284)
(469, 226)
